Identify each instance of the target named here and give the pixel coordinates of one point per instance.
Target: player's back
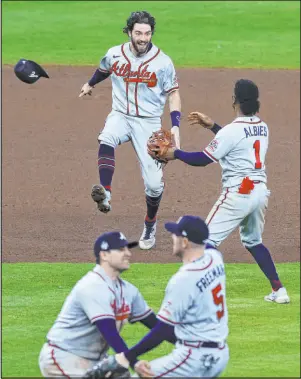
(241, 147)
(199, 291)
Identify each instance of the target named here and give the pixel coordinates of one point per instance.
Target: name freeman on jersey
(210, 276)
(256, 130)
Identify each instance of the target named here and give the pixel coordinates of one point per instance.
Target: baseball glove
(160, 146)
(108, 368)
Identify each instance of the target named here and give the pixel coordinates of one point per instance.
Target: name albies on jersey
(195, 300)
(240, 148)
(140, 85)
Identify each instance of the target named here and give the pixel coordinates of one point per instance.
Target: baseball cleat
(102, 198)
(280, 296)
(148, 237)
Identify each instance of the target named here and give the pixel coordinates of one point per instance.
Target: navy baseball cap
(191, 227)
(112, 241)
(29, 71)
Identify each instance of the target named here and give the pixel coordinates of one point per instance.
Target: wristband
(175, 118)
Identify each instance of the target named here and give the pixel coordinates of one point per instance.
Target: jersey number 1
(256, 146)
(218, 300)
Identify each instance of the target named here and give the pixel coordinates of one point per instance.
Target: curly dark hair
(139, 17)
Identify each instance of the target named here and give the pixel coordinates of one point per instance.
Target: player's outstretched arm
(203, 120)
(174, 101)
(97, 77)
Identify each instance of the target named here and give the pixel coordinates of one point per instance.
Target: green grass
(264, 338)
(255, 34)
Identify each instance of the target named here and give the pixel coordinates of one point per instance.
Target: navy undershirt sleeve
(216, 128)
(98, 77)
(197, 158)
(150, 321)
(157, 335)
(107, 328)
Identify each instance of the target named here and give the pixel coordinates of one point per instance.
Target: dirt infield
(49, 163)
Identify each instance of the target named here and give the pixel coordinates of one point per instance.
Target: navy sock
(152, 204)
(264, 260)
(106, 165)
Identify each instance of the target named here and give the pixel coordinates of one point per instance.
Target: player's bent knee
(108, 139)
(154, 189)
(249, 244)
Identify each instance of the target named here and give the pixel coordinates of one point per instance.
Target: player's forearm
(107, 328)
(98, 77)
(175, 108)
(161, 332)
(174, 101)
(197, 158)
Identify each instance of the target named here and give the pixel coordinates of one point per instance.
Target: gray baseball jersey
(140, 85)
(240, 147)
(95, 297)
(195, 300)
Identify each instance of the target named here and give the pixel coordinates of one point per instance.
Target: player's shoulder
(115, 50)
(91, 281)
(179, 279)
(213, 252)
(163, 56)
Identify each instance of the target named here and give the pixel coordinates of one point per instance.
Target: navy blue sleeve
(216, 128)
(197, 158)
(157, 335)
(98, 77)
(150, 321)
(107, 328)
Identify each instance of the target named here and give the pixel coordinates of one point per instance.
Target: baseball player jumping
(240, 147)
(143, 77)
(194, 309)
(94, 313)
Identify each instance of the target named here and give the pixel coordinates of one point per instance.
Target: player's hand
(201, 119)
(143, 369)
(121, 359)
(175, 132)
(86, 90)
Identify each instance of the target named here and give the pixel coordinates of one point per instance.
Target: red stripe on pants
(177, 366)
(57, 365)
(217, 208)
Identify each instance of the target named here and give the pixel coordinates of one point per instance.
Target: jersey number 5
(218, 300)
(256, 146)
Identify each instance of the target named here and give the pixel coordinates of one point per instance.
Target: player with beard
(194, 309)
(143, 79)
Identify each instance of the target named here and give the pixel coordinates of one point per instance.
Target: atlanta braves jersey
(240, 148)
(195, 300)
(96, 296)
(140, 85)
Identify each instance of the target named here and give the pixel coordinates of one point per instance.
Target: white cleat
(148, 237)
(102, 198)
(280, 296)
